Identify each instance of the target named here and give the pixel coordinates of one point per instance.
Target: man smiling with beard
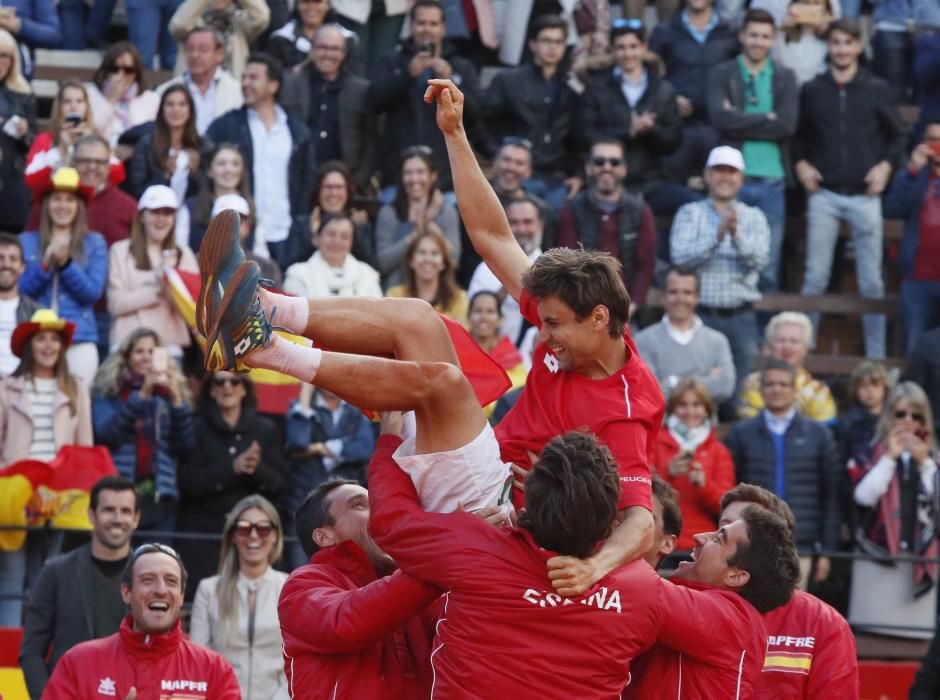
(14, 307)
(148, 658)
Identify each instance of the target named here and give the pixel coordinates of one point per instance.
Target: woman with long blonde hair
(18, 118)
(896, 497)
(67, 266)
(235, 613)
(430, 274)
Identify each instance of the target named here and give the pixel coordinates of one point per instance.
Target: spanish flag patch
(788, 662)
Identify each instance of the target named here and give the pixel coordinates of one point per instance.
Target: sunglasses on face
(231, 381)
(243, 529)
(126, 70)
(600, 162)
(913, 415)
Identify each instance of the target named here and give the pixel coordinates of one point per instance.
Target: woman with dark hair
(72, 118)
(430, 274)
(239, 453)
(18, 119)
(292, 43)
(137, 291)
(141, 414)
(333, 270)
(171, 154)
(691, 458)
(485, 317)
(67, 267)
(117, 92)
(418, 201)
(225, 175)
(896, 496)
(333, 190)
(235, 612)
(42, 408)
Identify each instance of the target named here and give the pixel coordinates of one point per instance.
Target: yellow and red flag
(34, 492)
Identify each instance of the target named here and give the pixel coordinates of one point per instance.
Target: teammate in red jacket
(501, 614)
(810, 647)
(352, 626)
(749, 564)
(148, 658)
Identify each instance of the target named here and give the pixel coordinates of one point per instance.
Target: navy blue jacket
(688, 63)
(904, 200)
(40, 29)
(232, 127)
(115, 420)
(813, 473)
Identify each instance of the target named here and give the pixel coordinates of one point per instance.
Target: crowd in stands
(686, 150)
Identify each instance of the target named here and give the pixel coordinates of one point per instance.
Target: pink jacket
(16, 420)
(136, 298)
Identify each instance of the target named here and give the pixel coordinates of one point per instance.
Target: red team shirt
(625, 410)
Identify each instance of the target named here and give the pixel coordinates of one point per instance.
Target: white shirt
(632, 91)
(41, 394)
(680, 336)
(484, 280)
(205, 102)
(8, 361)
(271, 158)
(779, 425)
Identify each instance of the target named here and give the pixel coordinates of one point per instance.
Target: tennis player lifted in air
(586, 373)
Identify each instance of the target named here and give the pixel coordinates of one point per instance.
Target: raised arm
(482, 214)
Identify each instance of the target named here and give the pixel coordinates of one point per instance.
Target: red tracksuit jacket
(810, 653)
(160, 666)
(504, 633)
(712, 650)
(349, 634)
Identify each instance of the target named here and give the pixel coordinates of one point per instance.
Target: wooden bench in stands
(849, 304)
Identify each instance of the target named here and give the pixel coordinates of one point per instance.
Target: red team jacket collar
(349, 558)
(142, 644)
(695, 585)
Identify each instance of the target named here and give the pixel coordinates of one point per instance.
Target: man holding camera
(399, 92)
(912, 197)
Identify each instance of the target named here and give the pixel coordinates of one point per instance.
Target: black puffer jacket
(813, 474)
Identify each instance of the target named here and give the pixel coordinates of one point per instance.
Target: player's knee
(444, 381)
(420, 318)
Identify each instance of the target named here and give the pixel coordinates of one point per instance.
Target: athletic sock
(286, 357)
(292, 312)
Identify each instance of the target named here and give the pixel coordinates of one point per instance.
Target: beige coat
(137, 298)
(16, 420)
(248, 19)
(259, 668)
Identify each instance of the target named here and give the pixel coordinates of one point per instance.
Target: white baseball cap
(726, 155)
(158, 197)
(231, 201)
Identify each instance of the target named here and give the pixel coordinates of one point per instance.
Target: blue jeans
(148, 29)
(84, 26)
(893, 54)
(920, 308)
(851, 8)
(863, 213)
(768, 195)
(19, 569)
(741, 331)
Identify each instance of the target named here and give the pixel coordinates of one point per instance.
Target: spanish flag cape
(34, 492)
(276, 391)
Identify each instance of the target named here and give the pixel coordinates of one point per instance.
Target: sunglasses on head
(913, 415)
(600, 162)
(627, 23)
(517, 141)
(243, 528)
(231, 381)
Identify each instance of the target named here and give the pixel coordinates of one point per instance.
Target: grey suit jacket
(59, 615)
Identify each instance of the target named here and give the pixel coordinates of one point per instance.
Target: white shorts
(473, 475)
